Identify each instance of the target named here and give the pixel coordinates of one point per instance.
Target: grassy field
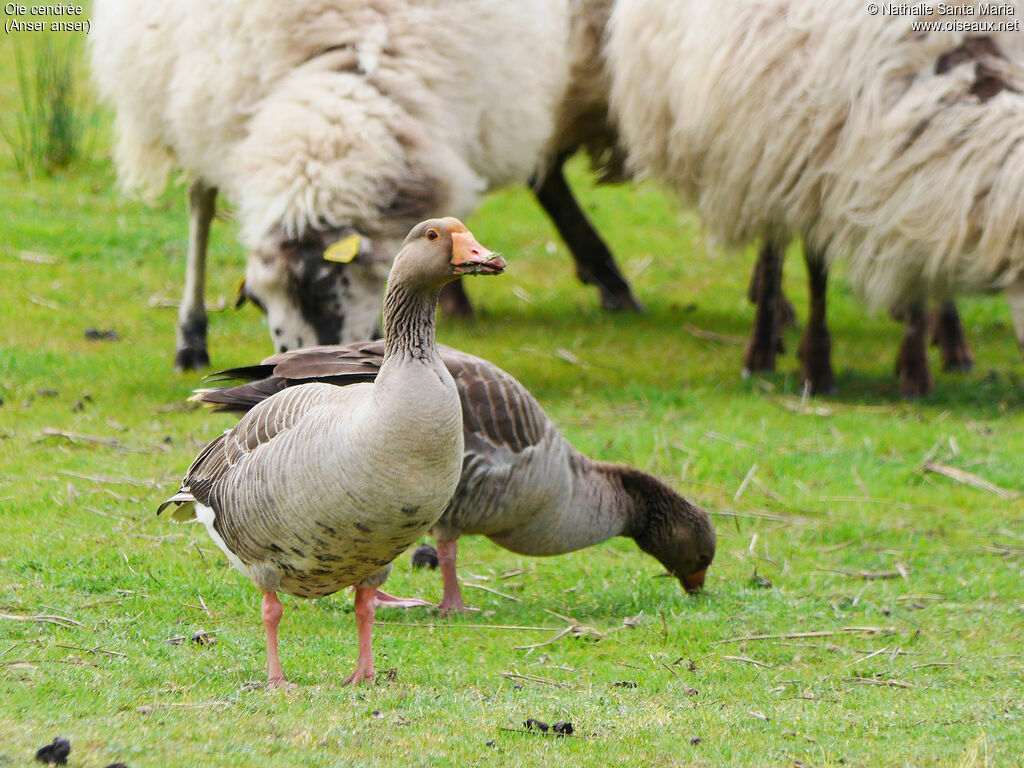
(861, 611)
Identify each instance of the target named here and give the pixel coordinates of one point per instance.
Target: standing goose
(523, 485)
(320, 487)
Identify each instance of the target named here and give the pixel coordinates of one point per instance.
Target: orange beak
(471, 258)
(694, 581)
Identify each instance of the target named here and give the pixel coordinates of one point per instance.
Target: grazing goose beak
(695, 581)
(471, 258)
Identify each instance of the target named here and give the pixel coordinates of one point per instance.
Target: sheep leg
(452, 598)
(595, 264)
(912, 365)
(272, 611)
(785, 313)
(765, 340)
(947, 333)
(454, 301)
(816, 344)
(366, 603)
(191, 342)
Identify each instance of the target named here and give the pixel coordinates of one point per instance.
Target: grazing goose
(523, 485)
(320, 487)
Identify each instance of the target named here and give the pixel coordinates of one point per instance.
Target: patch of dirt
(95, 334)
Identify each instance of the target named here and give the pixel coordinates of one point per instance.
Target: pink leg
(452, 599)
(385, 600)
(366, 603)
(272, 611)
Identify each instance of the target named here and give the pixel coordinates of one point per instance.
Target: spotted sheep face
(309, 300)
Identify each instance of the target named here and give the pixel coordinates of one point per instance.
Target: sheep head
(324, 288)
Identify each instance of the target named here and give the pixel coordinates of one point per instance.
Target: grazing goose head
(668, 527)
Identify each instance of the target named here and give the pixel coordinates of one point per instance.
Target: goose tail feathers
(184, 510)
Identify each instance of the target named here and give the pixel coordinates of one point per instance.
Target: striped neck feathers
(409, 321)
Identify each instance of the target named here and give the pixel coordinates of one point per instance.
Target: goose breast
(317, 503)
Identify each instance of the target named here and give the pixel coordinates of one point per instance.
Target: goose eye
(432, 234)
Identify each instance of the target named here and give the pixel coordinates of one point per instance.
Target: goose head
(668, 527)
(438, 251)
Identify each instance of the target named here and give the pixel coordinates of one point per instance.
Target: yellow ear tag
(343, 251)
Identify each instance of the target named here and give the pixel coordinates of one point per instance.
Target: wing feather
(258, 427)
(499, 414)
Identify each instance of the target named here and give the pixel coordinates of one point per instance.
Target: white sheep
(324, 119)
(321, 120)
(582, 122)
(895, 151)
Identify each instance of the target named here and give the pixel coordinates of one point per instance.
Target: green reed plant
(54, 122)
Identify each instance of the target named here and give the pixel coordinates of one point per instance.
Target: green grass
(836, 492)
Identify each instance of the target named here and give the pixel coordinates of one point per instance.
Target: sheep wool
(322, 114)
(897, 151)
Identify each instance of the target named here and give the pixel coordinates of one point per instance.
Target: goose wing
(500, 416)
(262, 424)
(339, 365)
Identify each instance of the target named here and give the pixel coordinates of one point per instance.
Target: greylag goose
(319, 487)
(523, 485)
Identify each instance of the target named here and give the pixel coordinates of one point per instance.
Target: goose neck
(627, 491)
(409, 322)
(602, 499)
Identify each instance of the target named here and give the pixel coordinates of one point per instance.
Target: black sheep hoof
(957, 359)
(190, 359)
(815, 353)
(914, 387)
(619, 301)
(820, 383)
(759, 355)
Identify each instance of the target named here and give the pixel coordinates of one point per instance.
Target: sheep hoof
(947, 333)
(959, 365)
(619, 301)
(759, 356)
(912, 389)
(190, 359)
(816, 355)
(822, 383)
(957, 358)
(915, 381)
(818, 377)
